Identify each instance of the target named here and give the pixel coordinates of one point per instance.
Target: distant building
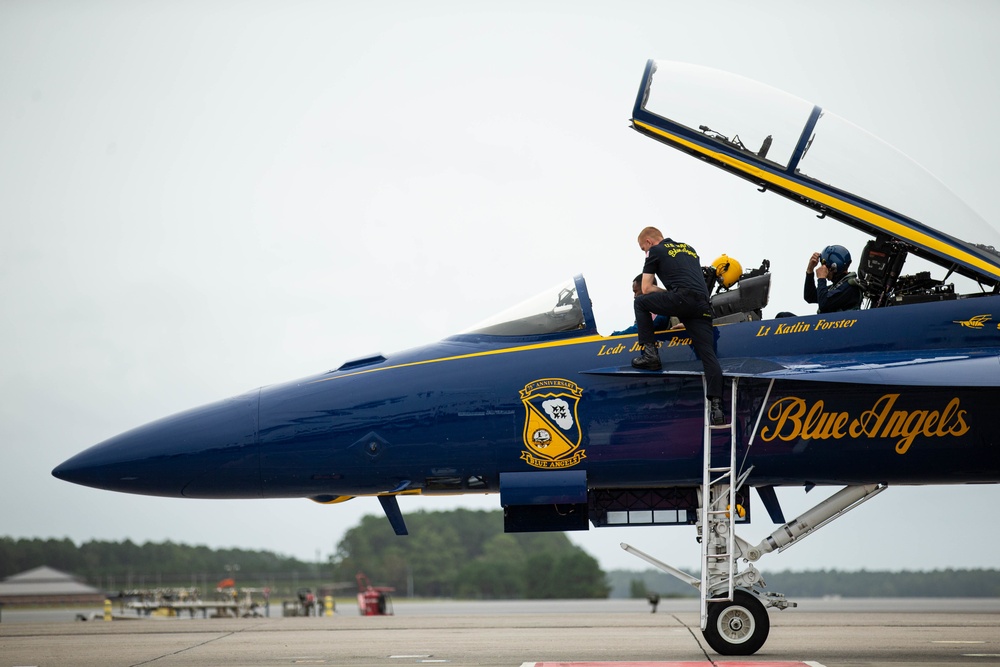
(44, 585)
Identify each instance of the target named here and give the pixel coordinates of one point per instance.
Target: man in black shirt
(683, 295)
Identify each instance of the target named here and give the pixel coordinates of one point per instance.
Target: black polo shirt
(677, 265)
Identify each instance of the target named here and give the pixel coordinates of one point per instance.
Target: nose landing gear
(739, 627)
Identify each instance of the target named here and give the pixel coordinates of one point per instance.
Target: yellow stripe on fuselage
(879, 221)
(507, 350)
(484, 353)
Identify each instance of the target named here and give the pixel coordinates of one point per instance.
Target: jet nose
(207, 452)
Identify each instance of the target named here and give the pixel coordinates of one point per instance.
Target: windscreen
(555, 310)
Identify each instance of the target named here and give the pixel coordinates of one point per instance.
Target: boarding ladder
(718, 500)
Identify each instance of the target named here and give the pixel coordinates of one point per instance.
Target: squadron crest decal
(552, 433)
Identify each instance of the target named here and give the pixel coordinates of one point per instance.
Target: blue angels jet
(536, 405)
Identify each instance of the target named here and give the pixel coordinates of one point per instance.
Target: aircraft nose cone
(207, 452)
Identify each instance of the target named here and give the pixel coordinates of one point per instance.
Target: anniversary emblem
(551, 430)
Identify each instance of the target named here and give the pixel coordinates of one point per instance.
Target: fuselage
(452, 416)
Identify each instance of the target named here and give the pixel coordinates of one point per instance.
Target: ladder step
(718, 599)
(726, 469)
(719, 427)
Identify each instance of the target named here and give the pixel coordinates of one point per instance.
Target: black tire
(739, 627)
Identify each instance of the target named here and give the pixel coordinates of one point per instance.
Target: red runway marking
(699, 663)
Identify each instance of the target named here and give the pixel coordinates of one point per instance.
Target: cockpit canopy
(808, 154)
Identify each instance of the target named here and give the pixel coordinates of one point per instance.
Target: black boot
(715, 412)
(650, 359)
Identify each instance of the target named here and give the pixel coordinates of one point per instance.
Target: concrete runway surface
(831, 633)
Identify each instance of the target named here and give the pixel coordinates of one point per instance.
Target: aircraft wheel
(739, 627)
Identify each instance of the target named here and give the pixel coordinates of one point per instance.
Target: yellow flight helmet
(727, 270)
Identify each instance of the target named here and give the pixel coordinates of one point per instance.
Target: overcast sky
(200, 198)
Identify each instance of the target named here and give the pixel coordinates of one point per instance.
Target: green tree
(433, 558)
(465, 553)
(637, 589)
(496, 573)
(574, 575)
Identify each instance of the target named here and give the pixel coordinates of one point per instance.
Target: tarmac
(831, 633)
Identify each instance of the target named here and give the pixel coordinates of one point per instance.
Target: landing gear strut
(740, 626)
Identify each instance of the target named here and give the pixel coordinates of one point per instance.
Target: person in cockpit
(833, 288)
(660, 322)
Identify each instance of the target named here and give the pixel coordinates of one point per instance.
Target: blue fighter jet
(536, 405)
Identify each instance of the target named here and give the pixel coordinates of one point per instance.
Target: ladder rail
(714, 492)
(731, 519)
(705, 501)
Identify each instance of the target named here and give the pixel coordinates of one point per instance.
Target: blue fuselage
(452, 416)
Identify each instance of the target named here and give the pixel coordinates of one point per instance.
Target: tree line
(819, 583)
(461, 553)
(95, 561)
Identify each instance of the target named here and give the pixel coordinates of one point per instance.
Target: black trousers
(695, 313)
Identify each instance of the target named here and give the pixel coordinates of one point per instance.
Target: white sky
(199, 198)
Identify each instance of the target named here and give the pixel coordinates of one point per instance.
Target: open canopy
(801, 151)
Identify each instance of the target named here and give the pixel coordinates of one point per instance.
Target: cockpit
(565, 308)
(794, 148)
